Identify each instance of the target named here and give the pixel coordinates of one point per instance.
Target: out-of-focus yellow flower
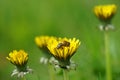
(41, 41)
(63, 49)
(18, 58)
(105, 12)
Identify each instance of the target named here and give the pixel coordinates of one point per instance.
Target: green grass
(22, 20)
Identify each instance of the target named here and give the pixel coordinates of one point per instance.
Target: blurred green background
(22, 20)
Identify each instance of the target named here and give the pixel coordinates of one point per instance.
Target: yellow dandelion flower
(18, 58)
(105, 12)
(41, 41)
(63, 49)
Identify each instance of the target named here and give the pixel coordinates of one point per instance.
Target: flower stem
(107, 55)
(23, 78)
(65, 74)
(51, 72)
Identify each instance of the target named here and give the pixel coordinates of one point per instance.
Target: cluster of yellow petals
(105, 11)
(66, 51)
(18, 58)
(41, 41)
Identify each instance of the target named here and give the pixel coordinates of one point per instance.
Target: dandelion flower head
(105, 12)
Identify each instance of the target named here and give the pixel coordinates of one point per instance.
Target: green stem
(23, 78)
(107, 55)
(65, 74)
(51, 72)
(99, 77)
